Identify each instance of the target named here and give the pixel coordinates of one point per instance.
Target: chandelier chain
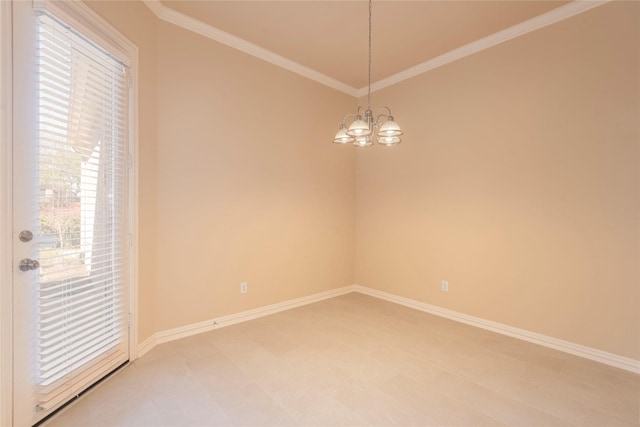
(369, 77)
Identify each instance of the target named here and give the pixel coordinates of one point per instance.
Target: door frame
(88, 22)
(6, 225)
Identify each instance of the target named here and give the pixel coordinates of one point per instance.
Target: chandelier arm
(384, 107)
(386, 116)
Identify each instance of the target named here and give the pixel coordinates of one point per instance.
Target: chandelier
(363, 130)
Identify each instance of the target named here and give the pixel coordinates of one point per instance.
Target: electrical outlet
(243, 287)
(445, 286)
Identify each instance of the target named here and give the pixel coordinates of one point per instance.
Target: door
(70, 277)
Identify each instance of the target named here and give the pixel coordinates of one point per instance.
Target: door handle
(29, 264)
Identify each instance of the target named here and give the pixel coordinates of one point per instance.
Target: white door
(70, 213)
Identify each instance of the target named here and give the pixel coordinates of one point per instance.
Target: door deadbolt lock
(29, 264)
(25, 236)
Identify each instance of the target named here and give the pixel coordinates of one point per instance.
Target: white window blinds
(82, 291)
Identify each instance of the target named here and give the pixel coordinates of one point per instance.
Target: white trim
(6, 226)
(213, 33)
(134, 197)
(184, 331)
(590, 353)
(556, 15)
(232, 319)
(91, 25)
(146, 345)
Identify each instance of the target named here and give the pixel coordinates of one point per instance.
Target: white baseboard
(590, 353)
(146, 345)
(232, 319)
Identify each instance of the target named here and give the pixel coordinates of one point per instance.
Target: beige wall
(249, 186)
(138, 24)
(518, 182)
(237, 179)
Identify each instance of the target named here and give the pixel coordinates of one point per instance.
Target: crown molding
(556, 15)
(155, 6)
(209, 31)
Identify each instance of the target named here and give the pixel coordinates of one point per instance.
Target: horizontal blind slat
(83, 333)
(71, 280)
(66, 361)
(76, 308)
(53, 334)
(79, 343)
(82, 162)
(64, 288)
(49, 392)
(73, 319)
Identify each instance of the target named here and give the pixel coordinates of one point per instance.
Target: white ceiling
(327, 40)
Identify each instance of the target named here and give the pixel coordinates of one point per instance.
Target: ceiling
(330, 37)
